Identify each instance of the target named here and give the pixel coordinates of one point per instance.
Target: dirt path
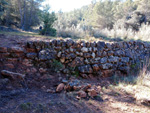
(13, 40)
(39, 101)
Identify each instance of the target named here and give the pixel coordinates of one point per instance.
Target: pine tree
(48, 20)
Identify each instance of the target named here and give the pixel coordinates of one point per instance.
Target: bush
(72, 32)
(56, 65)
(49, 32)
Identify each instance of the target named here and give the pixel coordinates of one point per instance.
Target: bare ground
(36, 100)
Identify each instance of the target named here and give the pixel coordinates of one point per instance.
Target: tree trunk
(31, 12)
(24, 16)
(21, 13)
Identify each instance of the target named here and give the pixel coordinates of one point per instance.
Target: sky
(66, 5)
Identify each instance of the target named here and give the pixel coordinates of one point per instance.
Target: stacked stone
(87, 57)
(91, 57)
(10, 56)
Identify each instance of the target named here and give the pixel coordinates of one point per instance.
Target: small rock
(76, 62)
(85, 69)
(71, 50)
(92, 93)
(77, 53)
(107, 66)
(27, 62)
(86, 87)
(104, 54)
(93, 55)
(125, 59)
(50, 91)
(74, 83)
(60, 87)
(64, 81)
(94, 49)
(28, 71)
(62, 60)
(87, 55)
(59, 54)
(84, 75)
(81, 54)
(95, 67)
(108, 46)
(100, 44)
(98, 54)
(90, 49)
(82, 94)
(66, 71)
(84, 50)
(31, 55)
(33, 70)
(99, 89)
(86, 61)
(43, 87)
(110, 53)
(76, 88)
(113, 59)
(119, 53)
(103, 60)
(42, 70)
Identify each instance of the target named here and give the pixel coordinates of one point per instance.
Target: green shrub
(48, 21)
(48, 32)
(56, 65)
(26, 106)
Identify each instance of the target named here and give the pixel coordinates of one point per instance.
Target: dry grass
(128, 34)
(141, 89)
(106, 34)
(95, 34)
(24, 33)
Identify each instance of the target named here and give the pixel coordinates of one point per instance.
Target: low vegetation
(136, 85)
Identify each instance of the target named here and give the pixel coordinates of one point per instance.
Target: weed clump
(56, 65)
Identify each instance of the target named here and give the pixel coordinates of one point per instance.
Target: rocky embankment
(83, 58)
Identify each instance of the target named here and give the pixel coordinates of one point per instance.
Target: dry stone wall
(86, 58)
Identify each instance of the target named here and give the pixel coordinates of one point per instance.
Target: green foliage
(26, 106)
(105, 14)
(22, 14)
(48, 32)
(41, 108)
(56, 65)
(74, 71)
(3, 4)
(48, 20)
